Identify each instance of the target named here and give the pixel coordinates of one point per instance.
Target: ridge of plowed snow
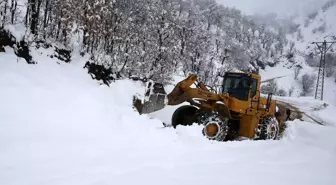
(58, 127)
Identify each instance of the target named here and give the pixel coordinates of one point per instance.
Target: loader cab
(238, 85)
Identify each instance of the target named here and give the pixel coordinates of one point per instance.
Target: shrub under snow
(307, 81)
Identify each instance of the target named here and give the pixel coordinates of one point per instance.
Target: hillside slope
(317, 26)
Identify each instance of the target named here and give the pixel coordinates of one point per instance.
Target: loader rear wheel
(184, 115)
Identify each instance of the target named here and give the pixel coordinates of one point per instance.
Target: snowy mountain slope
(317, 26)
(283, 8)
(283, 75)
(58, 126)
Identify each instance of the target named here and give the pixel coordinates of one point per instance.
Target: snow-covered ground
(59, 127)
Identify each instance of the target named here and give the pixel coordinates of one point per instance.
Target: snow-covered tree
(153, 38)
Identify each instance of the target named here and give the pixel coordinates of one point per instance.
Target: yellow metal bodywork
(250, 112)
(248, 123)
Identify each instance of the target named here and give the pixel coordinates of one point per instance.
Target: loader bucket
(155, 98)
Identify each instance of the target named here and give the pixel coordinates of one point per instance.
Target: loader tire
(269, 128)
(184, 115)
(215, 127)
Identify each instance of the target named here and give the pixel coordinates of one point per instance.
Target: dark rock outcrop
(21, 48)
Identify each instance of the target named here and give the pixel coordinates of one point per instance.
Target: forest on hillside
(152, 38)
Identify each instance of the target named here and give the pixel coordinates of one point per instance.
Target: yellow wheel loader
(236, 112)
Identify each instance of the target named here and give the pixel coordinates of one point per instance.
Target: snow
(275, 72)
(309, 32)
(321, 111)
(283, 8)
(283, 75)
(60, 127)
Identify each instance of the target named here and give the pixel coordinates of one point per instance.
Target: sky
(281, 7)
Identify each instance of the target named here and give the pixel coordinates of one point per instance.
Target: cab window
(253, 87)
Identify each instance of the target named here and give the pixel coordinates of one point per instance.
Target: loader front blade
(155, 98)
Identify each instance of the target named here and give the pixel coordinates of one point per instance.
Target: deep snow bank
(59, 127)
